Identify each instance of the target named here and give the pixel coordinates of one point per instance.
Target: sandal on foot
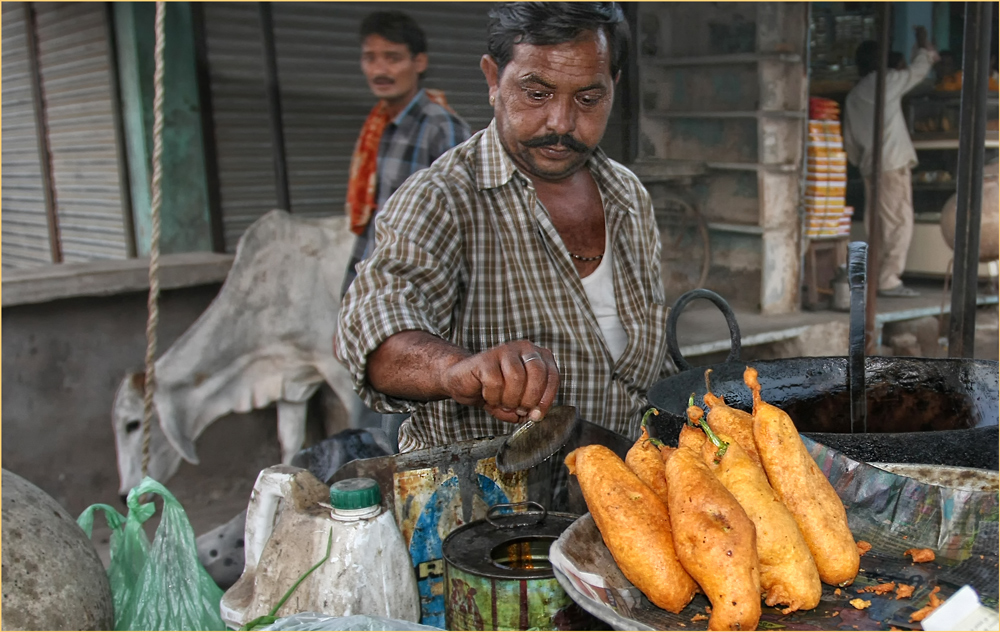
(900, 291)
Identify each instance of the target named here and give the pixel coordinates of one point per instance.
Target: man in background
(407, 130)
(895, 199)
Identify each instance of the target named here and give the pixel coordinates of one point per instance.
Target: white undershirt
(599, 286)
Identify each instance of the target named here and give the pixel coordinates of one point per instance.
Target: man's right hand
(920, 33)
(513, 382)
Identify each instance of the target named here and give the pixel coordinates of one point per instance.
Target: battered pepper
(736, 423)
(644, 459)
(691, 435)
(634, 524)
(714, 539)
(801, 486)
(788, 573)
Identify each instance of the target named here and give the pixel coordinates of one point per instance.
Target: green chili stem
(714, 438)
(645, 417)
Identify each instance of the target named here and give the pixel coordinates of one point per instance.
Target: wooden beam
(874, 222)
(971, 134)
(208, 127)
(121, 151)
(273, 90)
(42, 133)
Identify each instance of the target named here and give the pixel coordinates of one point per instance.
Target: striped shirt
(410, 142)
(466, 252)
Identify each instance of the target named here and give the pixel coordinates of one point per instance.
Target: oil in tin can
(498, 575)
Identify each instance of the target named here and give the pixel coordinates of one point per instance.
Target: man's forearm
(409, 365)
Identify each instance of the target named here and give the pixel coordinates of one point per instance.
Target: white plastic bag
(316, 621)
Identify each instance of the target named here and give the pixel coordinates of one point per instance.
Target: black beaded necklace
(594, 258)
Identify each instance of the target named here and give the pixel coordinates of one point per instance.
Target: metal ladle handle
(857, 271)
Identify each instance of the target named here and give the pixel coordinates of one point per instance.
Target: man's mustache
(552, 140)
(381, 79)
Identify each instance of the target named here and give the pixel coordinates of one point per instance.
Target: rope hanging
(152, 304)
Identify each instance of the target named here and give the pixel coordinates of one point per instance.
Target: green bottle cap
(355, 493)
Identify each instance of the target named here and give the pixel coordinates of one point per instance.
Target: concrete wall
(724, 84)
(62, 363)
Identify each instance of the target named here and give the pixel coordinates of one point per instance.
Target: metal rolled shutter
(240, 118)
(25, 228)
(325, 98)
(74, 60)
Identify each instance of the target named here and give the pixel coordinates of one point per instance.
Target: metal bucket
(498, 575)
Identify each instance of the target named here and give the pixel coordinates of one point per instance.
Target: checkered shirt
(465, 251)
(410, 142)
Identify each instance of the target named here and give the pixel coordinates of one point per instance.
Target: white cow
(267, 337)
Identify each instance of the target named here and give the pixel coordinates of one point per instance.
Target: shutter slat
(25, 232)
(76, 79)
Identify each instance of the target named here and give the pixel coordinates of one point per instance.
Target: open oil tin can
(498, 575)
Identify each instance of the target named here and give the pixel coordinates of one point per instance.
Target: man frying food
(522, 269)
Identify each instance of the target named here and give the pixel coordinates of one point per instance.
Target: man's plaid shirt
(410, 142)
(465, 251)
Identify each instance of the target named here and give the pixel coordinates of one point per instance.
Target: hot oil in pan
(530, 553)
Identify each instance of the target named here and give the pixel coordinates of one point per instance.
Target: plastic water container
(291, 519)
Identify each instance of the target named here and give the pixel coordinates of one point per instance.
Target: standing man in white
(895, 199)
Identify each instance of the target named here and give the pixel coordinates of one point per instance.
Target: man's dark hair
(397, 27)
(866, 57)
(545, 23)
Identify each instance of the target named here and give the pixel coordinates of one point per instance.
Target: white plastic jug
(289, 524)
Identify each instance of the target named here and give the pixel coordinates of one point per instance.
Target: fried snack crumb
(932, 604)
(934, 599)
(920, 555)
(860, 591)
(863, 547)
(837, 592)
(836, 613)
(860, 604)
(699, 617)
(881, 589)
(904, 591)
(708, 609)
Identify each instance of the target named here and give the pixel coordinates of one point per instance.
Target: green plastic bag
(128, 552)
(158, 586)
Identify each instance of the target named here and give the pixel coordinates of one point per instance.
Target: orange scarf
(363, 179)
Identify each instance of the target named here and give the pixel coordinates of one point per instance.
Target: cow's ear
(186, 447)
(138, 381)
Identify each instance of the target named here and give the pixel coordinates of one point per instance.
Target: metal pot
(836, 394)
(498, 575)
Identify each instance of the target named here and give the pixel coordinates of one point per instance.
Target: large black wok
(841, 394)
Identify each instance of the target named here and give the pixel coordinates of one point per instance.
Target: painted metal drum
(498, 575)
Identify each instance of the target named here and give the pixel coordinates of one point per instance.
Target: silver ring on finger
(527, 359)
